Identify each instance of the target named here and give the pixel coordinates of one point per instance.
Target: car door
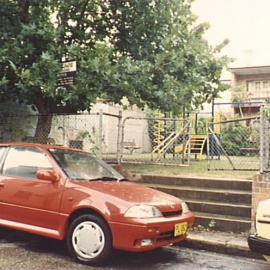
(24, 199)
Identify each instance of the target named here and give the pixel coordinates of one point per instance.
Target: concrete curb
(226, 243)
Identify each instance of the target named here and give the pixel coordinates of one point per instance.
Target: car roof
(43, 146)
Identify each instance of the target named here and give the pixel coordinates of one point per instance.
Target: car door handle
(2, 184)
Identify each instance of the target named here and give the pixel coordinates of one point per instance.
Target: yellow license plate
(180, 229)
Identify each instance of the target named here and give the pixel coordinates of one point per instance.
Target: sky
(246, 23)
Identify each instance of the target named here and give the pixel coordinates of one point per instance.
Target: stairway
(218, 204)
(197, 146)
(197, 143)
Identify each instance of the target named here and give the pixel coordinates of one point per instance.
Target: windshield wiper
(107, 178)
(123, 179)
(103, 178)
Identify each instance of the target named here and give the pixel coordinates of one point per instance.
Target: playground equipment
(158, 129)
(167, 133)
(195, 145)
(190, 139)
(162, 148)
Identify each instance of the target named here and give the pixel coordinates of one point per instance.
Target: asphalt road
(23, 251)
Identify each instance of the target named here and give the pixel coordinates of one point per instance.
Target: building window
(258, 85)
(259, 89)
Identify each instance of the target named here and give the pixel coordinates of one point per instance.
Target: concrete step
(215, 195)
(219, 204)
(222, 223)
(199, 182)
(231, 209)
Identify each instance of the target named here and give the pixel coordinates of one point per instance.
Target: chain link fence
(95, 132)
(234, 144)
(155, 141)
(265, 140)
(223, 145)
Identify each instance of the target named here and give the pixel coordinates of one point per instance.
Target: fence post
(122, 138)
(208, 145)
(264, 141)
(65, 137)
(189, 125)
(100, 131)
(261, 140)
(119, 140)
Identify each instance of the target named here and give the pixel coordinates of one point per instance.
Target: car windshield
(83, 166)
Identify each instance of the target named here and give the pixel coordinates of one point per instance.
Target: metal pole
(221, 147)
(213, 109)
(99, 154)
(208, 146)
(119, 141)
(189, 140)
(196, 124)
(213, 129)
(174, 143)
(264, 141)
(122, 137)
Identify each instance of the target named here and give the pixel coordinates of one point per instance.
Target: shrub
(237, 136)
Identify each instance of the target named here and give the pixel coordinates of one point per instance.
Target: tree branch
(24, 6)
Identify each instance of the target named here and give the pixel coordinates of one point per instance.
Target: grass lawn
(196, 168)
(219, 168)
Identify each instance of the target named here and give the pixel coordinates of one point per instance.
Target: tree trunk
(43, 128)
(47, 108)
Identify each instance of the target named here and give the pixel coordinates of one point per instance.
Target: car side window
(25, 162)
(2, 151)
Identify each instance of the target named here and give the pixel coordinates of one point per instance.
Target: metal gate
(155, 141)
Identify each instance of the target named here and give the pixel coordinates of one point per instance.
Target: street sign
(67, 77)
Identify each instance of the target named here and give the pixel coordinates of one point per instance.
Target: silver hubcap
(88, 240)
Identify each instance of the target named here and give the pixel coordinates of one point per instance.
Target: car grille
(172, 213)
(167, 236)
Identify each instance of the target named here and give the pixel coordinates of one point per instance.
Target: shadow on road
(45, 246)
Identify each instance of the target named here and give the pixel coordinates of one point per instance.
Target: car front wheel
(89, 239)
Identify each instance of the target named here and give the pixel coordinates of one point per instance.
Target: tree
(149, 51)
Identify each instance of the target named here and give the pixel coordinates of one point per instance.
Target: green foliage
(237, 136)
(149, 51)
(17, 122)
(202, 125)
(240, 94)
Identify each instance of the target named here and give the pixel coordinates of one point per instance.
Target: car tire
(89, 239)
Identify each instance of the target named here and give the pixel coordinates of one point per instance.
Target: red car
(68, 194)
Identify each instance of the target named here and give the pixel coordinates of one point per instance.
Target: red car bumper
(149, 234)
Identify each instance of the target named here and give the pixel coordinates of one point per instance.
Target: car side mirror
(48, 175)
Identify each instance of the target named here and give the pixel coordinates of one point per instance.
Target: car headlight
(143, 211)
(185, 208)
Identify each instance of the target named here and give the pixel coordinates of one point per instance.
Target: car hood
(135, 194)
